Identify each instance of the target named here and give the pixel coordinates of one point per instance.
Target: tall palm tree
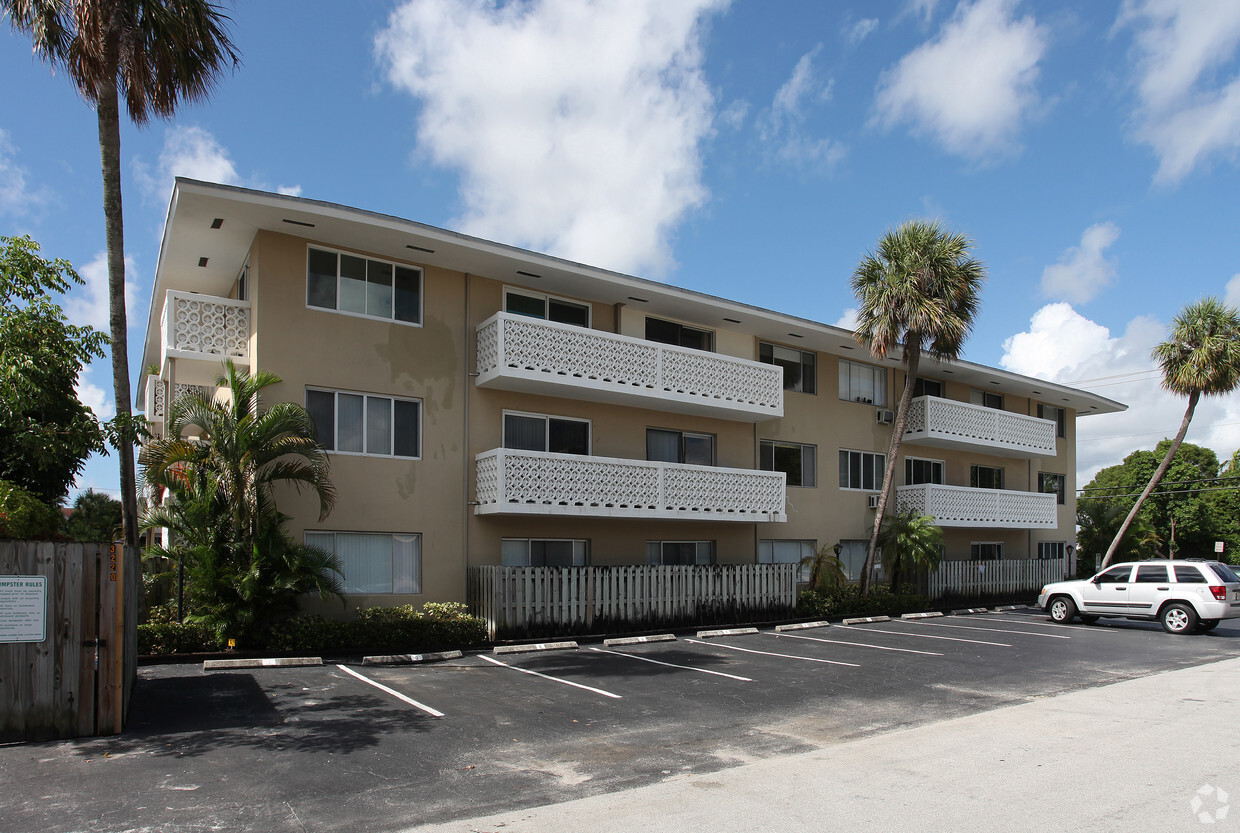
(158, 52)
(1201, 358)
(920, 291)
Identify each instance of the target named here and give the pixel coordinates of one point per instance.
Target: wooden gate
(68, 638)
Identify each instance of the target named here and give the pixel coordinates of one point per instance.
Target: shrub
(176, 638)
(397, 629)
(22, 515)
(848, 601)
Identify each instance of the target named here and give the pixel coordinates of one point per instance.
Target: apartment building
(483, 404)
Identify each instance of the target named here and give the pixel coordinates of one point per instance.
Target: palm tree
(1097, 520)
(920, 291)
(158, 52)
(1201, 358)
(910, 542)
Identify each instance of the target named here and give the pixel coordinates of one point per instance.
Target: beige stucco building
(484, 404)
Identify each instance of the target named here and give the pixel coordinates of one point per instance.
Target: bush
(848, 601)
(396, 629)
(24, 516)
(176, 638)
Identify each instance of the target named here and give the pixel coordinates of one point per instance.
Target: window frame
(922, 382)
(365, 422)
(681, 328)
(1060, 550)
(585, 551)
(980, 397)
(698, 546)
(417, 566)
(547, 299)
(879, 372)
(1060, 419)
(853, 548)
(942, 470)
(808, 359)
(766, 554)
(421, 273)
(546, 418)
(1061, 492)
(880, 460)
(975, 470)
(803, 447)
(714, 445)
(976, 548)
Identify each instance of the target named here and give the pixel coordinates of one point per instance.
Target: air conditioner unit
(885, 416)
(874, 501)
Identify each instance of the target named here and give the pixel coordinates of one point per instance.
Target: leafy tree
(1202, 357)
(46, 433)
(23, 515)
(243, 571)
(158, 53)
(96, 517)
(910, 543)
(918, 291)
(1097, 520)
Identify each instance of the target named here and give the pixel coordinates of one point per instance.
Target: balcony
(961, 506)
(512, 482)
(156, 409)
(205, 330)
(533, 356)
(946, 423)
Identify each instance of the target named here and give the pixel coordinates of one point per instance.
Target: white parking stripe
(991, 630)
(549, 677)
(925, 636)
(393, 692)
(674, 665)
(856, 644)
(769, 654)
(1093, 628)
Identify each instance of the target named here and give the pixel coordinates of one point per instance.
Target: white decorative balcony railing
(961, 506)
(205, 327)
(527, 354)
(157, 400)
(946, 423)
(543, 483)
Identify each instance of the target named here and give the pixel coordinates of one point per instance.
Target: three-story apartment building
(483, 404)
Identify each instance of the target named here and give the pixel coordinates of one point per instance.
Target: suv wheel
(1207, 625)
(1062, 609)
(1178, 618)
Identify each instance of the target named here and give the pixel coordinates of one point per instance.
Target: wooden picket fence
(993, 578)
(67, 670)
(545, 601)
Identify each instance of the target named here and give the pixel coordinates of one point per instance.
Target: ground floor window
(545, 552)
(986, 551)
(374, 563)
(680, 552)
(788, 551)
(852, 557)
(1051, 550)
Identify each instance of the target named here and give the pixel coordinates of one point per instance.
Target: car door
(1107, 592)
(1148, 589)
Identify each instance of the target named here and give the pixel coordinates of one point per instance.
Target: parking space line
(991, 630)
(1093, 628)
(770, 654)
(392, 691)
(674, 665)
(926, 636)
(549, 677)
(857, 644)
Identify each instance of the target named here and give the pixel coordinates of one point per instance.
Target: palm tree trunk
(110, 158)
(1158, 475)
(912, 358)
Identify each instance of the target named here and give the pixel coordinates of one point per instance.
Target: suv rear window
(1225, 573)
(1188, 574)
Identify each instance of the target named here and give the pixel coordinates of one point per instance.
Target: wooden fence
(994, 578)
(537, 601)
(68, 638)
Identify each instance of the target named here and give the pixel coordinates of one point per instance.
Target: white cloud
(1063, 346)
(848, 320)
(289, 190)
(194, 152)
(87, 305)
(1232, 294)
(576, 126)
(971, 87)
(782, 126)
(1186, 112)
(17, 197)
(95, 398)
(1083, 271)
(921, 9)
(860, 30)
(734, 114)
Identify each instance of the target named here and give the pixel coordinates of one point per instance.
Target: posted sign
(23, 608)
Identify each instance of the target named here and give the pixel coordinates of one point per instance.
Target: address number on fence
(23, 608)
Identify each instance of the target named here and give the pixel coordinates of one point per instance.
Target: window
(680, 552)
(986, 551)
(1052, 484)
(1152, 574)
(863, 383)
(928, 387)
(1186, 574)
(1057, 415)
(1051, 550)
(669, 332)
(1115, 575)
(986, 399)
(361, 286)
(1225, 573)
(359, 423)
(242, 280)
(985, 477)
(546, 307)
(852, 557)
(799, 462)
(545, 552)
(780, 551)
(918, 471)
(374, 563)
(667, 446)
(800, 372)
(861, 470)
(535, 432)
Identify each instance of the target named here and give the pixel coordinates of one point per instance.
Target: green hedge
(848, 601)
(393, 629)
(22, 515)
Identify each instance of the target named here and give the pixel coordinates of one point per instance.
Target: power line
(1158, 493)
(1165, 483)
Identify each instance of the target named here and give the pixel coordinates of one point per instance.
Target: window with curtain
(363, 286)
(538, 432)
(863, 383)
(667, 446)
(361, 423)
(374, 563)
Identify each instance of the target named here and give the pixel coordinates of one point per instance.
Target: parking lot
(347, 746)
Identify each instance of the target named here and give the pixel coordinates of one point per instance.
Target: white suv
(1182, 595)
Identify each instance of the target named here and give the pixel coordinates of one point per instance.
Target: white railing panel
(961, 506)
(934, 418)
(202, 326)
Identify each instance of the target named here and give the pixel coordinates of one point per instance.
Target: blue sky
(750, 150)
